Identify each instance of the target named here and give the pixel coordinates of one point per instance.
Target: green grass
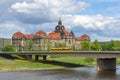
(52, 62)
(75, 60)
(21, 64)
(118, 60)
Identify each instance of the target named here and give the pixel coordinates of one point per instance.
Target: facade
(4, 42)
(60, 37)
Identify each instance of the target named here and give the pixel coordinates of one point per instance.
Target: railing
(93, 54)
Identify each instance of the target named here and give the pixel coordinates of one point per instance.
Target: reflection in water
(80, 73)
(106, 74)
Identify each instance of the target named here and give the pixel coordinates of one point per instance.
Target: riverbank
(53, 62)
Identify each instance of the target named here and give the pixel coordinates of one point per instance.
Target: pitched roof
(66, 32)
(57, 35)
(40, 33)
(29, 36)
(83, 37)
(54, 35)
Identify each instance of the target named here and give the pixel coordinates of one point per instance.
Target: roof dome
(40, 33)
(18, 35)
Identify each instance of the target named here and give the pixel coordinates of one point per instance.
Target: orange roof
(40, 33)
(57, 35)
(66, 32)
(29, 36)
(18, 35)
(54, 35)
(83, 37)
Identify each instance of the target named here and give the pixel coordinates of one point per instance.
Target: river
(79, 73)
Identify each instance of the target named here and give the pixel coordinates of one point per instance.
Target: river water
(79, 73)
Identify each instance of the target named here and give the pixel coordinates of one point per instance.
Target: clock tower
(59, 28)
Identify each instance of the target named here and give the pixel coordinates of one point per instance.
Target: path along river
(79, 73)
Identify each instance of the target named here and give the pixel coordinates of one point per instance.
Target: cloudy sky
(100, 19)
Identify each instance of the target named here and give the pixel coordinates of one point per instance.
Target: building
(59, 37)
(5, 42)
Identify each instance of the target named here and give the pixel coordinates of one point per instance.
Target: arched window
(69, 42)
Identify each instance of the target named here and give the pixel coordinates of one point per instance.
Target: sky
(100, 19)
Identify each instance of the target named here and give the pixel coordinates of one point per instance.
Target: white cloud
(24, 7)
(104, 26)
(96, 22)
(7, 29)
(59, 6)
(49, 8)
(99, 27)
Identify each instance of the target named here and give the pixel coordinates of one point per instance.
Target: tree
(85, 45)
(105, 46)
(111, 45)
(28, 46)
(115, 45)
(49, 45)
(8, 48)
(96, 45)
(74, 48)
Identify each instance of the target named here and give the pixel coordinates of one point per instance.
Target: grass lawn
(53, 62)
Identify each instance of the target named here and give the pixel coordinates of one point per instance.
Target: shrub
(89, 60)
(8, 48)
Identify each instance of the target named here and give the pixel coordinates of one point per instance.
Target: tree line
(101, 46)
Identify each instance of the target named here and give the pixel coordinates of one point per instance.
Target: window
(69, 42)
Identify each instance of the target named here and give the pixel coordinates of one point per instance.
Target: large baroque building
(60, 37)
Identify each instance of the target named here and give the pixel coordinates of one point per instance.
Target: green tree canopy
(105, 46)
(8, 48)
(85, 45)
(114, 45)
(111, 46)
(96, 46)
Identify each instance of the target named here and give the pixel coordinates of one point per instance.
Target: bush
(8, 48)
(89, 60)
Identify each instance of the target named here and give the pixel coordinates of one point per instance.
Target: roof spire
(59, 22)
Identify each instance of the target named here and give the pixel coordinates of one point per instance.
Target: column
(44, 57)
(36, 57)
(29, 57)
(106, 64)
